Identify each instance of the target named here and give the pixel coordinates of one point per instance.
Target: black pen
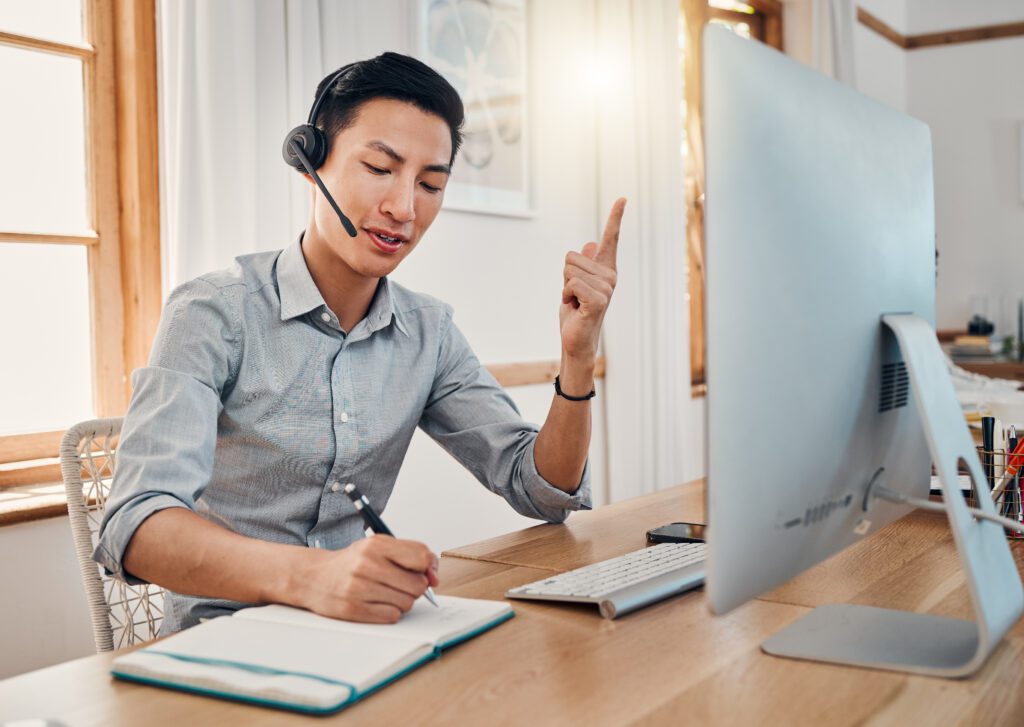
(988, 446)
(374, 523)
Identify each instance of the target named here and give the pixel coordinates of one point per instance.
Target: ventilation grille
(895, 386)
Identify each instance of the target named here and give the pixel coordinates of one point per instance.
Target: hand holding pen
(374, 523)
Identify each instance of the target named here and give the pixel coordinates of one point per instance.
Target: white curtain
(235, 77)
(832, 39)
(646, 336)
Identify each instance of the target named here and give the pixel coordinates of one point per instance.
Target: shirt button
(344, 417)
(316, 543)
(335, 487)
(325, 317)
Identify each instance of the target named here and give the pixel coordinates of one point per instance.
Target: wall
(44, 618)
(881, 65)
(972, 97)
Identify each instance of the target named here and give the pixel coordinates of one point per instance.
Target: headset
(305, 148)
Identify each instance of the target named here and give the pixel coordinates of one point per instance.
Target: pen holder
(1006, 491)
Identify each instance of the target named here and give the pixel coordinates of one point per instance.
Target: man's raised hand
(589, 281)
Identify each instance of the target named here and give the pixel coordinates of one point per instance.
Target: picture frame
(480, 47)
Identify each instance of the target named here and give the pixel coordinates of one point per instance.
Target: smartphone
(678, 533)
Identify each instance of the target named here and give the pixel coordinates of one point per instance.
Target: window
(758, 19)
(79, 219)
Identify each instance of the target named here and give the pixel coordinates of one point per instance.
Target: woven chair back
(122, 615)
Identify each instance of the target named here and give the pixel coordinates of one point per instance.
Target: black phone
(678, 533)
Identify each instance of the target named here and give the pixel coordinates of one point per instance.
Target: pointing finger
(609, 247)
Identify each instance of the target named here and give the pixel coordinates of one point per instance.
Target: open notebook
(286, 657)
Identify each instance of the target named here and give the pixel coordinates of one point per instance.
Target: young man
(274, 383)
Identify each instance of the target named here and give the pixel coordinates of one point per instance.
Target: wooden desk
(669, 663)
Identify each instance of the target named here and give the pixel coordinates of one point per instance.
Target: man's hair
(394, 76)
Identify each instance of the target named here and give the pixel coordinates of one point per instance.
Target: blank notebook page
(423, 623)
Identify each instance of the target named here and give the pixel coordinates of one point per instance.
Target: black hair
(394, 76)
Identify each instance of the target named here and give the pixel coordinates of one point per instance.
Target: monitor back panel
(819, 219)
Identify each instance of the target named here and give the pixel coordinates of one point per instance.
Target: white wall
(881, 65)
(972, 97)
(44, 618)
(933, 16)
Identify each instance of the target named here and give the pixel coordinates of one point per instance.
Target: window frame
(119, 75)
(766, 26)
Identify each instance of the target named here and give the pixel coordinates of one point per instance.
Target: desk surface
(563, 664)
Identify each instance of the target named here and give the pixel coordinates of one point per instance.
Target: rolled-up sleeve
(471, 416)
(166, 450)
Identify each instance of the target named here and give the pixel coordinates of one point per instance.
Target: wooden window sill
(32, 502)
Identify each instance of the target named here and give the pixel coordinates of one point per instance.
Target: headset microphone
(296, 149)
(305, 148)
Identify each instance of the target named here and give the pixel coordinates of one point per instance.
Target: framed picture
(480, 47)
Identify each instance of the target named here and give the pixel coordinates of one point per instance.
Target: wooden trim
(695, 16)
(29, 42)
(138, 178)
(946, 37)
(768, 7)
(966, 35)
(33, 507)
(879, 26)
(48, 473)
(534, 372)
(21, 447)
(107, 303)
(45, 238)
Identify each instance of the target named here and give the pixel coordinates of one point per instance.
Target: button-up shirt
(256, 409)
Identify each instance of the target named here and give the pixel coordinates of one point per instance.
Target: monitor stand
(913, 642)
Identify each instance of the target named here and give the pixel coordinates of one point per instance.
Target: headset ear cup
(313, 143)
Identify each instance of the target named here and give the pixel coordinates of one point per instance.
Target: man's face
(387, 171)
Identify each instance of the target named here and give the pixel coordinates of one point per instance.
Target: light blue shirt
(256, 409)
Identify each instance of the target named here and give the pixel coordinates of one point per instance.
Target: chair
(122, 615)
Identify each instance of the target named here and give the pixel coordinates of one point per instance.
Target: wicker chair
(122, 615)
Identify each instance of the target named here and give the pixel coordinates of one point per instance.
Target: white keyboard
(626, 583)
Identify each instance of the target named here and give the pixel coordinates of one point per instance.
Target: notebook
(285, 657)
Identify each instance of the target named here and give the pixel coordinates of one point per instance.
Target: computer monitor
(819, 221)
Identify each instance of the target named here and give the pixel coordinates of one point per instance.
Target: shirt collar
(299, 294)
(382, 309)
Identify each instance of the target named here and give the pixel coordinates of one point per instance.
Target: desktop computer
(828, 398)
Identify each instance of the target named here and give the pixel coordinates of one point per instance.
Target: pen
(1011, 447)
(988, 446)
(373, 521)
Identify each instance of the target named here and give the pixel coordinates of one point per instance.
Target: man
(274, 383)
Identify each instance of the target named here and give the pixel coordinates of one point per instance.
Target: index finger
(609, 248)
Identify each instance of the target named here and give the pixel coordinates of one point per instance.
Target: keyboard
(625, 583)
